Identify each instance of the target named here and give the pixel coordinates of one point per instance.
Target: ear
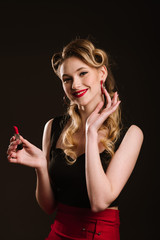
(103, 73)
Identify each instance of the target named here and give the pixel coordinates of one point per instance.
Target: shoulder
(46, 138)
(134, 132)
(54, 125)
(48, 126)
(47, 133)
(48, 123)
(133, 138)
(53, 122)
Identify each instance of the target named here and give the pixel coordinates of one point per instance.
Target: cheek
(91, 80)
(66, 90)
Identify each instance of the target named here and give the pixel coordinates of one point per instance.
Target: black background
(30, 32)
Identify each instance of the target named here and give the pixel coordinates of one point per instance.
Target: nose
(76, 83)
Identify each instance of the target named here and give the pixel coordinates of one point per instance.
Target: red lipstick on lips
(17, 136)
(80, 93)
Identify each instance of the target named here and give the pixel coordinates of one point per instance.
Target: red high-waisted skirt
(80, 223)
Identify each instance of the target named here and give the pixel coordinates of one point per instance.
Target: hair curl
(93, 57)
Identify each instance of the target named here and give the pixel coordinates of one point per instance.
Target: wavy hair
(93, 57)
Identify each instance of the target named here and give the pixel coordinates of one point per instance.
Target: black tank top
(68, 181)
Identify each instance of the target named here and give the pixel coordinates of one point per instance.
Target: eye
(83, 73)
(65, 80)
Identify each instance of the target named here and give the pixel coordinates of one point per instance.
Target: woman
(87, 156)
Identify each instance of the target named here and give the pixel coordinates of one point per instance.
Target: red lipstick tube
(17, 136)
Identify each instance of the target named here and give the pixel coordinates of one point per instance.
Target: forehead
(71, 65)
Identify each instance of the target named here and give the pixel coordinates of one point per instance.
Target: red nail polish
(17, 136)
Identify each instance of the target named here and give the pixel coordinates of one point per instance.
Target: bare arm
(44, 193)
(103, 188)
(32, 156)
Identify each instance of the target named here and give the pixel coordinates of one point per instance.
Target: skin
(76, 75)
(103, 187)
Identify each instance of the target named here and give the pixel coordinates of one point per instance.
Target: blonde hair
(93, 57)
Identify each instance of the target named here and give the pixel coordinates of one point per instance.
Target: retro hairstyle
(93, 57)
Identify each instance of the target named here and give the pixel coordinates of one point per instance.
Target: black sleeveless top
(68, 181)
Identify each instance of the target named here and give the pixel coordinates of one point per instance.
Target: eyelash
(68, 79)
(83, 73)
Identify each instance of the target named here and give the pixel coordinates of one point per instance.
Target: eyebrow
(66, 75)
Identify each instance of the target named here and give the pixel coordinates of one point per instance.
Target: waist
(110, 214)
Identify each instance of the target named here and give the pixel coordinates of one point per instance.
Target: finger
(114, 107)
(12, 146)
(12, 139)
(11, 159)
(25, 142)
(108, 98)
(11, 156)
(106, 112)
(115, 98)
(98, 108)
(10, 149)
(15, 143)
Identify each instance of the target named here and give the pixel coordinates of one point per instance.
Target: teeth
(80, 92)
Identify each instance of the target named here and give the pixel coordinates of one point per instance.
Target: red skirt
(80, 223)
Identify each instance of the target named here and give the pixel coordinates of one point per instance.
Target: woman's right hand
(30, 155)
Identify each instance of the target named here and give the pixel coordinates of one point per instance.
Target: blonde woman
(87, 156)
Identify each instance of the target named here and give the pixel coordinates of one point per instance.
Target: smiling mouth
(79, 94)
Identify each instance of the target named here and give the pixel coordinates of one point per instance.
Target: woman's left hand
(96, 119)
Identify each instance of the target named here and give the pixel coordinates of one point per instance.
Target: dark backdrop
(31, 94)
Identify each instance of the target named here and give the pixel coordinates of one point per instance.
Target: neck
(85, 111)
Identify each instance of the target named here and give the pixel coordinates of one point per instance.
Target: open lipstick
(16, 134)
